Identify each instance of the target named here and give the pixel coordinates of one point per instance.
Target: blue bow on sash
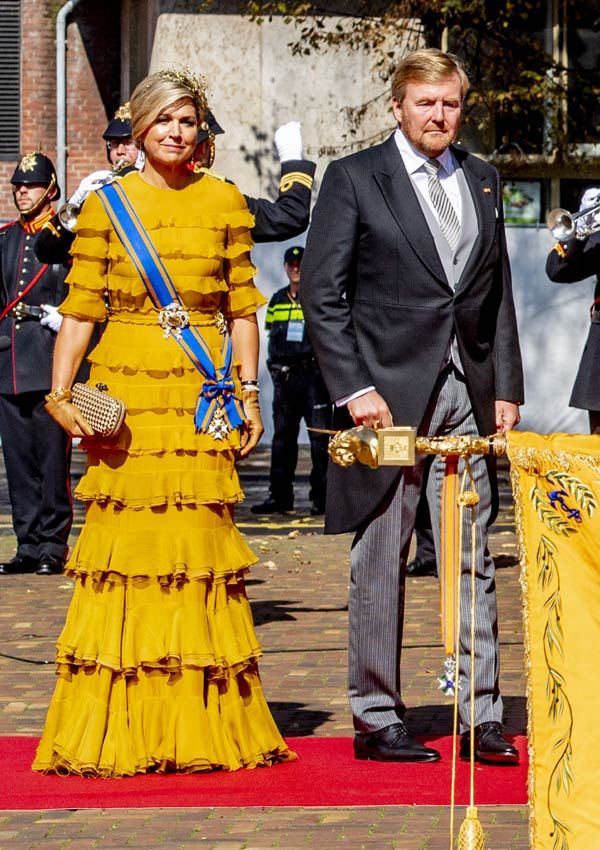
(219, 410)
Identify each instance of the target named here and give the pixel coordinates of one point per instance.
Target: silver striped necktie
(448, 220)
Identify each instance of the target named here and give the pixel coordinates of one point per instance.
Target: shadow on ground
(295, 720)
(283, 610)
(437, 719)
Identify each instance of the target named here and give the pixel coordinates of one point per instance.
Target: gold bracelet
(60, 394)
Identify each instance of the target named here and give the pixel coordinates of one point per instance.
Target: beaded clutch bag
(104, 412)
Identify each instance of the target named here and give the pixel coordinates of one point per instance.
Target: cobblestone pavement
(299, 598)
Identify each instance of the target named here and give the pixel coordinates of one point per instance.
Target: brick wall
(93, 35)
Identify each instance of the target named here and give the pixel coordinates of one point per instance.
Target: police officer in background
(289, 214)
(37, 452)
(298, 393)
(56, 238)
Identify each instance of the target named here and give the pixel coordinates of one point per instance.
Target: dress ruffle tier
(157, 660)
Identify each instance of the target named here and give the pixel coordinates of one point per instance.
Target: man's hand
(370, 410)
(288, 141)
(590, 198)
(51, 318)
(507, 415)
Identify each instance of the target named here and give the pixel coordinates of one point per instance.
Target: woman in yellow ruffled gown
(157, 661)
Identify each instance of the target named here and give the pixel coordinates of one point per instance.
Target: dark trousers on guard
(37, 457)
(298, 393)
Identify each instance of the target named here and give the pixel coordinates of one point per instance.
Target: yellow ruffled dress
(157, 661)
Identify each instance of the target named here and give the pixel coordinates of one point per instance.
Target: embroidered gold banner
(556, 487)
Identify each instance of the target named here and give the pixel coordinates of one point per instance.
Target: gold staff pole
(398, 446)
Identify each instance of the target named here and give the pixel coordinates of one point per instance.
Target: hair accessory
(196, 85)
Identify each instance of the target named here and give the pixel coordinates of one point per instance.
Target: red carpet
(325, 774)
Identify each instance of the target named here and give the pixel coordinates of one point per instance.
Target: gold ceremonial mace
(397, 446)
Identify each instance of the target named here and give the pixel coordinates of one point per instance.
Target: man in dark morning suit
(408, 302)
(569, 262)
(36, 450)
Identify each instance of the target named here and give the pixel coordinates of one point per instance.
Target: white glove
(52, 318)
(589, 198)
(288, 141)
(89, 184)
(585, 225)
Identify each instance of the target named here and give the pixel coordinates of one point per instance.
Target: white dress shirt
(414, 162)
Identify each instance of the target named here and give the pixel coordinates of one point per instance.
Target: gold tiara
(196, 85)
(123, 113)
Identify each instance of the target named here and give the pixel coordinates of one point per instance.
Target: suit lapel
(399, 194)
(483, 192)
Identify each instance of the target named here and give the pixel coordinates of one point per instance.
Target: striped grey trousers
(377, 582)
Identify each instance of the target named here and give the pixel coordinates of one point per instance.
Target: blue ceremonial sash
(217, 400)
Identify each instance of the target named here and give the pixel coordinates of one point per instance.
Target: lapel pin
(487, 190)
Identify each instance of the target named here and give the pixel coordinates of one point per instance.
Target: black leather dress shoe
(19, 564)
(272, 506)
(50, 565)
(421, 568)
(392, 744)
(491, 747)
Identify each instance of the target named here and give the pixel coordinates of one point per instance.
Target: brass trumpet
(563, 225)
(67, 216)
(68, 213)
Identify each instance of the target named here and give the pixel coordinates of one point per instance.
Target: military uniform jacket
(26, 366)
(582, 260)
(288, 216)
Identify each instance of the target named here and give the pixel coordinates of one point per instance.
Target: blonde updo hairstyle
(158, 92)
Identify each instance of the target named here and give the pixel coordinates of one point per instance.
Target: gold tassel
(470, 836)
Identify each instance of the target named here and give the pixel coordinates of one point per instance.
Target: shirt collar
(414, 159)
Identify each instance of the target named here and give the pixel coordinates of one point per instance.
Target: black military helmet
(119, 126)
(35, 167)
(209, 125)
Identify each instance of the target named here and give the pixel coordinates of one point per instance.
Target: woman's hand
(254, 428)
(69, 418)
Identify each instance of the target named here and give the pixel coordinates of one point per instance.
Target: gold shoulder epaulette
(288, 180)
(213, 174)
(55, 231)
(559, 248)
